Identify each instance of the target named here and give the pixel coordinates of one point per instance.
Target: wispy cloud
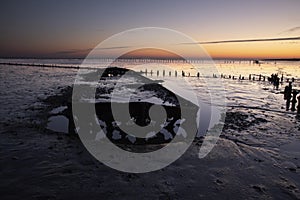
(85, 51)
(291, 30)
(110, 48)
(247, 40)
(72, 51)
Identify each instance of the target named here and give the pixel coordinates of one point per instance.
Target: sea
(24, 86)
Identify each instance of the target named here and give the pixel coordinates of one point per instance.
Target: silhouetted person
(182, 73)
(259, 77)
(293, 80)
(250, 76)
(288, 95)
(294, 100)
(198, 74)
(277, 83)
(272, 78)
(282, 78)
(176, 73)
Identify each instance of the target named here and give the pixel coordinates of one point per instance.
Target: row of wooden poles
(252, 77)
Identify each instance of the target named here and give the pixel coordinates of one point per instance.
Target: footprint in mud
(259, 188)
(219, 182)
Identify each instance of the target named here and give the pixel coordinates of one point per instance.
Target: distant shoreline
(282, 59)
(233, 59)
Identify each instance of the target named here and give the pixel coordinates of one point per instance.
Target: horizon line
(153, 58)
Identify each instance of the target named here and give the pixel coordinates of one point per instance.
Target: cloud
(76, 52)
(247, 40)
(297, 28)
(118, 47)
(73, 51)
(85, 51)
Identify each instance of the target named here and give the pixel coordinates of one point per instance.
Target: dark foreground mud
(256, 157)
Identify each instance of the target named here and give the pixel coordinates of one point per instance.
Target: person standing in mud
(288, 95)
(274, 80)
(277, 81)
(294, 100)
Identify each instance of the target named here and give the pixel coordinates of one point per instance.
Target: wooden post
(298, 107)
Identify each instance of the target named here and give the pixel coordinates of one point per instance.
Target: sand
(256, 157)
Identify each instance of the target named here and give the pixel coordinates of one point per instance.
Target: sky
(52, 28)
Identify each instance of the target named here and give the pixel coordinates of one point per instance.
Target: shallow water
(260, 161)
(22, 86)
(58, 124)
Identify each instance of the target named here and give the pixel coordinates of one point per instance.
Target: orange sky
(71, 29)
(254, 50)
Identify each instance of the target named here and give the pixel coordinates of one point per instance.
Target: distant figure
(259, 77)
(182, 73)
(282, 78)
(146, 72)
(169, 73)
(293, 80)
(151, 72)
(294, 100)
(198, 74)
(229, 76)
(176, 73)
(288, 95)
(157, 72)
(164, 72)
(277, 83)
(240, 77)
(250, 76)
